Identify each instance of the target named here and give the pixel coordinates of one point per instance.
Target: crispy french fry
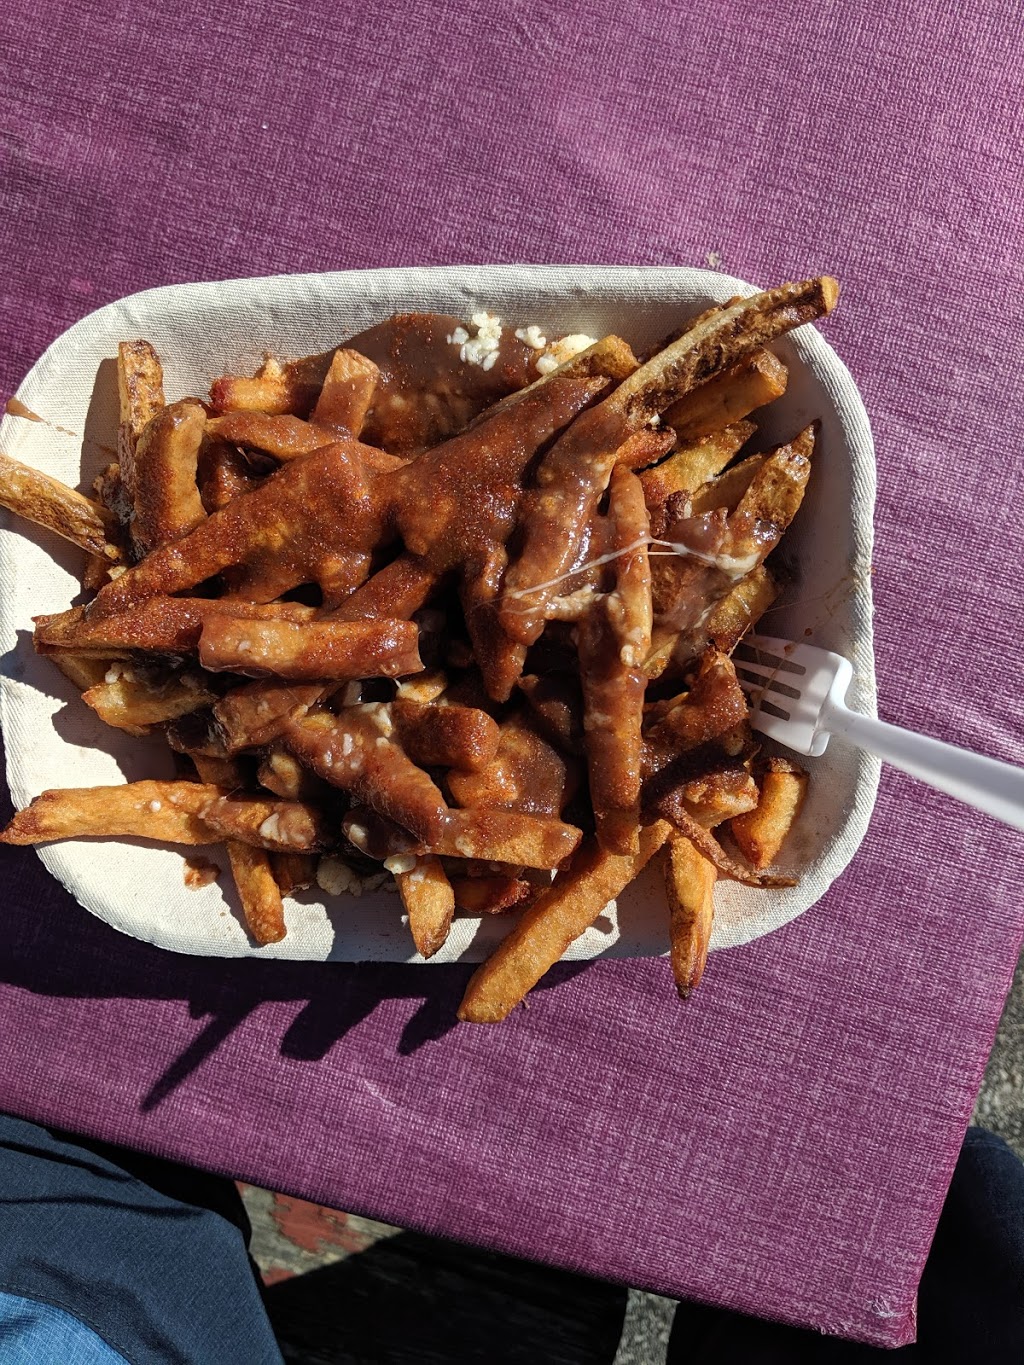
(140, 391)
(490, 895)
(690, 886)
(524, 773)
(163, 625)
(729, 396)
(347, 393)
(309, 650)
(490, 835)
(161, 479)
(133, 703)
(715, 704)
(280, 826)
(252, 868)
(556, 918)
(276, 388)
(282, 773)
(673, 809)
(258, 891)
(259, 712)
(173, 812)
(721, 338)
(445, 736)
(741, 609)
(165, 811)
(718, 795)
(761, 832)
(286, 438)
(84, 670)
(690, 467)
(49, 503)
(429, 902)
(614, 638)
(728, 488)
(356, 751)
(423, 687)
(224, 473)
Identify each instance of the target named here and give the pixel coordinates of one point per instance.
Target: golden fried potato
(761, 832)
(429, 902)
(728, 397)
(690, 886)
(559, 915)
(48, 502)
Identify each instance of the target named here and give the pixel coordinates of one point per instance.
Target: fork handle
(985, 783)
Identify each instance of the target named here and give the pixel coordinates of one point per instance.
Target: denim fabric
(34, 1333)
(150, 1256)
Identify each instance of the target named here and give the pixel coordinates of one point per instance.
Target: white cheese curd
(399, 863)
(481, 349)
(562, 350)
(532, 336)
(271, 828)
(334, 876)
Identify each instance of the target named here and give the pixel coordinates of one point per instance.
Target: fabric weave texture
(783, 1144)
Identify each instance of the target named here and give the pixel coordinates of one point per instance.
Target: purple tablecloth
(782, 1144)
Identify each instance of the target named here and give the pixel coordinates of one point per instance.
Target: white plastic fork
(798, 695)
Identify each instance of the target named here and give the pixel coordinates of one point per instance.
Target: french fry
(84, 670)
(429, 902)
(614, 638)
(356, 752)
(279, 826)
(140, 391)
(165, 811)
(133, 703)
(446, 736)
(760, 833)
(555, 919)
(224, 473)
(282, 773)
(728, 488)
(690, 886)
(490, 835)
(728, 397)
(161, 479)
(276, 388)
(287, 438)
(49, 503)
(741, 609)
(258, 891)
(524, 773)
(690, 467)
(173, 812)
(309, 650)
(490, 895)
(161, 625)
(714, 705)
(347, 393)
(251, 868)
(259, 712)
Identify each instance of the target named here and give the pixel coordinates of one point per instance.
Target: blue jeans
(108, 1256)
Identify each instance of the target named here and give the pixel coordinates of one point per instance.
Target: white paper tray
(203, 330)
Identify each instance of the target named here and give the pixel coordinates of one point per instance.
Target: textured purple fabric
(783, 1143)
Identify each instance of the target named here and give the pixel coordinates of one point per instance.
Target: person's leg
(150, 1256)
(971, 1300)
